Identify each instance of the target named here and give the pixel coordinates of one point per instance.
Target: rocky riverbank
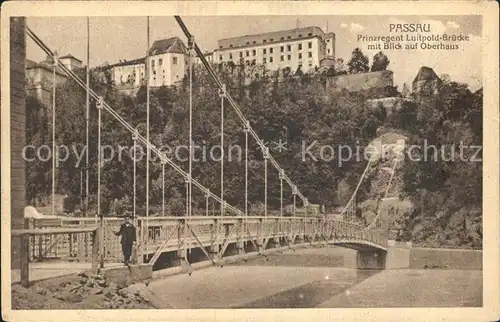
(82, 291)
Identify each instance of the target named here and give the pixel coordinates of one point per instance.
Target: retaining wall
(446, 258)
(361, 81)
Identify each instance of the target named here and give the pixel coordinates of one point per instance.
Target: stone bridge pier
(371, 259)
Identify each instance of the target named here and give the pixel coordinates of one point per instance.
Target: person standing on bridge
(128, 233)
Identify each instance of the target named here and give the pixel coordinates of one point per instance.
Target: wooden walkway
(45, 270)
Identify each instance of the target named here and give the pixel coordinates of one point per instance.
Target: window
(328, 50)
(289, 57)
(241, 54)
(271, 50)
(300, 36)
(270, 59)
(264, 51)
(310, 64)
(230, 56)
(310, 45)
(300, 46)
(310, 34)
(220, 57)
(282, 48)
(282, 38)
(300, 55)
(231, 45)
(288, 48)
(247, 53)
(253, 61)
(254, 52)
(300, 66)
(282, 58)
(220, 47)
(309, 54)
(264, 60)
(328, 40)
(152, 63)
(248, 43)
(265, 40)
(271, 39)
(289, 37)
(254, 42)
(160, 61)
(174, 61)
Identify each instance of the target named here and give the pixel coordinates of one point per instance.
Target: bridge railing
(36, 243)
(156, 234)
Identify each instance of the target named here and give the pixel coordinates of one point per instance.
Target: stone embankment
(84, 291)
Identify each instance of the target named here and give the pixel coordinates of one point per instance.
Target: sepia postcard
(243, 161)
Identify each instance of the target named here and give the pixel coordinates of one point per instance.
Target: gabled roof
(426, 74)
(129, 62)
(44, 65)
(169, 45)
(30, 64)
(70, 56)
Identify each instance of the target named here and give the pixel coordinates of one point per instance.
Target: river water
(316, 278)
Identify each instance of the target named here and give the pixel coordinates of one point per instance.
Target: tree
(380, 62)
(406, 91)
(440, 190)
(37, 134)
(340, 68)
(358, 63)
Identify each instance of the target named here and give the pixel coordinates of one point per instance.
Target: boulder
(70, 297)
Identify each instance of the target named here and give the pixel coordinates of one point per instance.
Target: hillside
(440, 201)
(434, 199)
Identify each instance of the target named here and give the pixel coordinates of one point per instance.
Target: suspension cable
(222, 94)
(207, 198)
(135, 136)
(190, 126)
(87, 120)
(163, 188)
(357, 187)
(266, 156)
(54, 66)
(294, 192)
(127, 126)
(234, 104)
(385, 194)
(281, 193)
(100, 104)
(147, 123)
(246, 167)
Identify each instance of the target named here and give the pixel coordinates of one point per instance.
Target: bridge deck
(39, 271)
(76, 239)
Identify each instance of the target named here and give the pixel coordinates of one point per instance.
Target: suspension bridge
(230, 233)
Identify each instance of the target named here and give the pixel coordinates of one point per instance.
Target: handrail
(50, 231)
(25, 253)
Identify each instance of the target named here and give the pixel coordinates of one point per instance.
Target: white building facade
(128, 73)
(301, 47)
(167, 63)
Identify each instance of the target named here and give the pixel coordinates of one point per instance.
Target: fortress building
(426, 80)
(301, 47)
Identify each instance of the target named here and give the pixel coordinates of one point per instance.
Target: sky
(115, 38)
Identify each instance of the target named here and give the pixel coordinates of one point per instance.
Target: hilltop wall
(361, 81)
